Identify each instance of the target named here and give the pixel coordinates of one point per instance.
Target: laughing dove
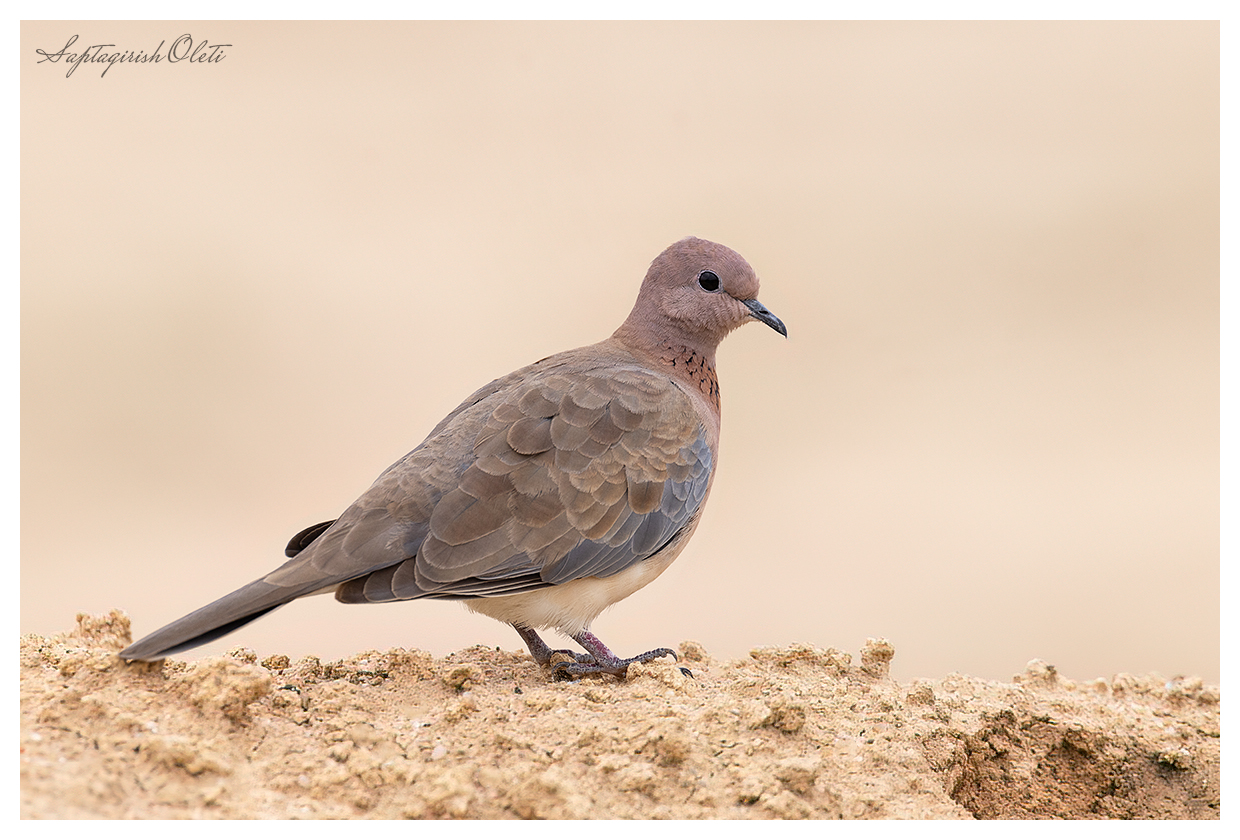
(547, 495)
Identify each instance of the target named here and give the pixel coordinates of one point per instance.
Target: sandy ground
(790, 732)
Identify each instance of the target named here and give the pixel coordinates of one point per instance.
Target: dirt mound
(790, 732)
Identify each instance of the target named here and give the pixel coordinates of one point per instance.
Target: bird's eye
(709, 281)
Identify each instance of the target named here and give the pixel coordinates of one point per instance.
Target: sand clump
(788, 732)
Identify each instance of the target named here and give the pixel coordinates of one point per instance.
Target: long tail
(219, 618)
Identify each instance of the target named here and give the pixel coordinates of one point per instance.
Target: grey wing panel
(649, 532)
(634, 539)
(566, 477)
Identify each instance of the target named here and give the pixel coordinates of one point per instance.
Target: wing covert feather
(566, 476)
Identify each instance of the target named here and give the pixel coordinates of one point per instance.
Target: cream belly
(570, 607)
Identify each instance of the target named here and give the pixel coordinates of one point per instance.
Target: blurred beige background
(249, 286)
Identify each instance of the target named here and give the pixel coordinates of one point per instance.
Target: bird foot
(570, 665)
(556, 657)
(613, 666)
(544, 655)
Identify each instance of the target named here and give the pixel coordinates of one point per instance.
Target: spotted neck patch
(691, 366)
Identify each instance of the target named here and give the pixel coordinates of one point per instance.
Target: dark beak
(766, 316)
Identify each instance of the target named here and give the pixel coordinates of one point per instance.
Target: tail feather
(209, 623)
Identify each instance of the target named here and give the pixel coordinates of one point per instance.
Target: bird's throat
(690, 366)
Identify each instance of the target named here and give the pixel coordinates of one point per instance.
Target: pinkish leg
(541, 652)
(606, 662)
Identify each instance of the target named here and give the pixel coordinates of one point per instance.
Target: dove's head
(695, 293)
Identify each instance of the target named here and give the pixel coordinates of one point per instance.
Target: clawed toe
(568, 671)
(569, 665)
(565, 671)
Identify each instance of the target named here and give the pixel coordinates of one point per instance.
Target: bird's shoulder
(587, 377)
(596, 414)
